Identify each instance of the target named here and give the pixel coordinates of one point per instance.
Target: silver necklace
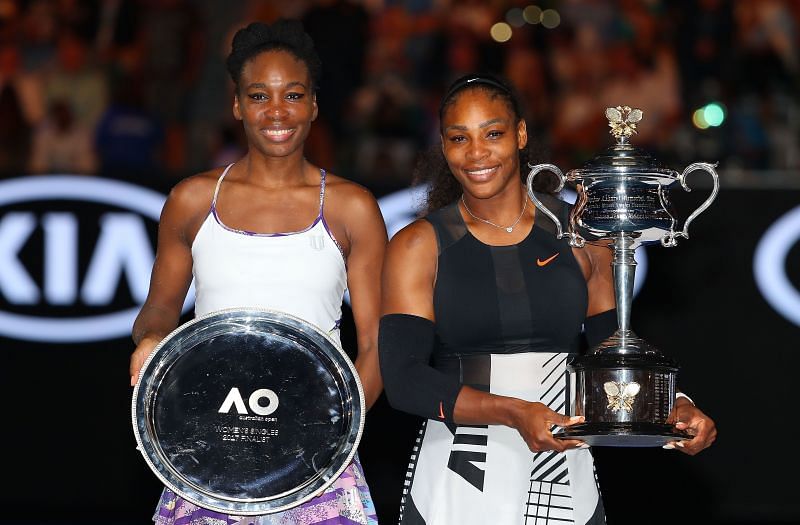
(508, 229)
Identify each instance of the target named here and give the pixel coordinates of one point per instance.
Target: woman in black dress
(482, 306)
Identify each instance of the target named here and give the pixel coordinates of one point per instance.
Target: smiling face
(276, 103)
(481, 139)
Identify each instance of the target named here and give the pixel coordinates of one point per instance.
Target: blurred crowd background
(137, 90)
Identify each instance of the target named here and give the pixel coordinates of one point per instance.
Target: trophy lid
(623, 158)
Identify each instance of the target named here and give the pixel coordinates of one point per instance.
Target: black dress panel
(530, 296)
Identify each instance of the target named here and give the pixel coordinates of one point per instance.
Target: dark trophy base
(634, 434)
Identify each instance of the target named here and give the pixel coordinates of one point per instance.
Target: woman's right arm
(406, 342)
(169, 280)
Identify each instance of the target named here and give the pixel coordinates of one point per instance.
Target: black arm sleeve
(599, 327)
(405, 345)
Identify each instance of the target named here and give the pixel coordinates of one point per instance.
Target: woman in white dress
(271, 230)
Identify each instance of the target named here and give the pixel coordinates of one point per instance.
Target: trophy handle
(574, 239)
(671, 238)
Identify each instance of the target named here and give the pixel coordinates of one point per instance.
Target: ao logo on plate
(46, 275)
(234, 400)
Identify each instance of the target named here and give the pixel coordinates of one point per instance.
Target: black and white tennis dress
(507, 318)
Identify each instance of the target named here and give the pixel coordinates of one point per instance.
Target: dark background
(69, 453)
(136, 90)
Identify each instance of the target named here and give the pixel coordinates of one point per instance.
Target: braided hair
(283, 35)
(432, 166)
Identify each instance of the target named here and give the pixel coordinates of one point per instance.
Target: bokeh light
(515, 17)
(711, 115)
(550, 18)
(501, 32)
(699, 119)
(532, 14)
(714, 114)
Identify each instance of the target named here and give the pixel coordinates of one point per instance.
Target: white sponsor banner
(769, 265)
(123, 250)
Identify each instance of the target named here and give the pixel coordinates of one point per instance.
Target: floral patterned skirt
(346, 501)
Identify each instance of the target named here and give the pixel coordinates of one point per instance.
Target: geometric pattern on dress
(548, 503)
(549, 494)
(412, 466)
(468, 454)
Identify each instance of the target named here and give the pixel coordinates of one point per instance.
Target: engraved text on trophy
(609, 207)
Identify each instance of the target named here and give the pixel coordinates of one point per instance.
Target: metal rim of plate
(166, 353)
(629, 434)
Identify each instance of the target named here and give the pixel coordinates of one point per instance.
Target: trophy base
(633, 434)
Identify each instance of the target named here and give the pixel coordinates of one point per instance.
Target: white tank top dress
(302, 273)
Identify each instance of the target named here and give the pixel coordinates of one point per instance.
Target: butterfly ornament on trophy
(621, 395)
(622, 120)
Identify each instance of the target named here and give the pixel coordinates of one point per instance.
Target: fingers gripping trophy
(624, 387)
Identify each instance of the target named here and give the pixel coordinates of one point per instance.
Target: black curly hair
(283, 35)
(432, 166)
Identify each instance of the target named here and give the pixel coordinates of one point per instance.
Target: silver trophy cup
(624, 387)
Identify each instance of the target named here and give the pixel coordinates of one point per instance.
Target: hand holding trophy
(624, 387)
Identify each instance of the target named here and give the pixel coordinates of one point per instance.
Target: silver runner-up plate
(248, 411)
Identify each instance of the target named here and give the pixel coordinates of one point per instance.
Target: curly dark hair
(432, 166)
(283, 35)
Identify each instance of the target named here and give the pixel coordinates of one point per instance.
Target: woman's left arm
(366, 234)
(595, 261)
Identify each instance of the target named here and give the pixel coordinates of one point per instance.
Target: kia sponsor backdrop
(75, 256)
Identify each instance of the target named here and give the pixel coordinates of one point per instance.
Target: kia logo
(769, 265)
(58, 278)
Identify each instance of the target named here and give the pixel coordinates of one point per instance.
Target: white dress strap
(322, 174)
(219, 183)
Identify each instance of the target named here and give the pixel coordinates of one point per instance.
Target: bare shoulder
(197, 190)
(343, 192)
(351, 205)
(417, 238)
(410, 269)
(189, 202)
(194, 194)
